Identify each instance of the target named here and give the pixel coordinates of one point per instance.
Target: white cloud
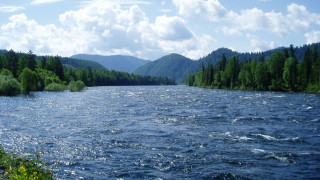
(22, 34)
(210, 9)
(37, 2)
(260, 45)
(312, 37)
(171, 28)
(230, 31)
(11, 8)
(106, 28)
(298, 18)
(165, 10)
(119, 2)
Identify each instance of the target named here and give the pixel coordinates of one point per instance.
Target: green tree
(261, 77)
(21, 64)
(3, 62)
(42, 64)
(290, 73)
(231, 72)
(31, 60)
(275, 65)
(12, 59)
(9, 86)
(28, 80)
(6, 72)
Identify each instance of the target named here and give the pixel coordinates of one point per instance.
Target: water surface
(167, 132)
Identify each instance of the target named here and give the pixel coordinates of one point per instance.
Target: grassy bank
(15, 167)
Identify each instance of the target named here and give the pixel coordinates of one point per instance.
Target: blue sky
(151, 29)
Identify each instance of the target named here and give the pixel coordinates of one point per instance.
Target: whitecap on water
(241, 118)
(242, 138)
(258, 151)
(267, 137)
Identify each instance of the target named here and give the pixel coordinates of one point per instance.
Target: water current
(167, 132)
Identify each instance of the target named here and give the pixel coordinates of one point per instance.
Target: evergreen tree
(31, 61)
(290, 73)
(12, 59)
(42, 64)
(261, 77)
(21, 64)
(275, 67)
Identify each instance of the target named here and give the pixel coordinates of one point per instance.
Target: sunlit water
(167, 132)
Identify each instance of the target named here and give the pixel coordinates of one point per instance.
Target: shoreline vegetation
(23, 73)
(13, 166)
(282, 71)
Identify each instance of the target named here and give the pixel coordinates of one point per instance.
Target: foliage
(21, 168)
(173, 66)
(280, 72)
(6, 72)
(9, 86)
(28, 80)
(55, 87)
(76, 86)
(170, 68)
(51, 75)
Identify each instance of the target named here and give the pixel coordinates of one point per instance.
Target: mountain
(79, 63)
(177, 67)
(174, 66)
(116, 62)
(68, 62)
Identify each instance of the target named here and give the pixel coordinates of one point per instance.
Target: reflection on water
(167, 132)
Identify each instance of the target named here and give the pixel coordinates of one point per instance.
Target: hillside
(69, 62)
(116, 62)
(174, 66)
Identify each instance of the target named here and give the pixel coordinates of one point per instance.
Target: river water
(167, 132)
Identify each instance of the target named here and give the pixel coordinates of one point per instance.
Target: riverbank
(13, 166)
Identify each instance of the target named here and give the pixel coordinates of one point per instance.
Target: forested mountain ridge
(281, 71)
(23, 72)
(115, 62)
(174, 66)
(68, 62)
(168, 68)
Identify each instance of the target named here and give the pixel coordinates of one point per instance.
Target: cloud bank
(121, 27)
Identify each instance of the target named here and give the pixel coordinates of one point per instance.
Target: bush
(76, 86)
(55, 87)
(29, 80)
(6, 72)
(9, 86)
(22, 168)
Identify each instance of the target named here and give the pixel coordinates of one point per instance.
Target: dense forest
(178, 67)
(281, 71)
(20, 72)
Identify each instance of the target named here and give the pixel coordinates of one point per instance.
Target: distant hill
(116, 62)
(177, 67)
(174, 66)
(68, 62)
(79, 63)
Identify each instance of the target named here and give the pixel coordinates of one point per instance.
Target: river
(167, 132)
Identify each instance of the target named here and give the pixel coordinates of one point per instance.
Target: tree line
(282, 71)
(23, 73)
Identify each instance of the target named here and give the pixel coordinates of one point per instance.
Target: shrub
(9, 86)
(55, 87)
(76, 86)
(22, 168)
(6, 72)
(29, 80)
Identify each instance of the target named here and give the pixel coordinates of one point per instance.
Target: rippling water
(167, 132)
